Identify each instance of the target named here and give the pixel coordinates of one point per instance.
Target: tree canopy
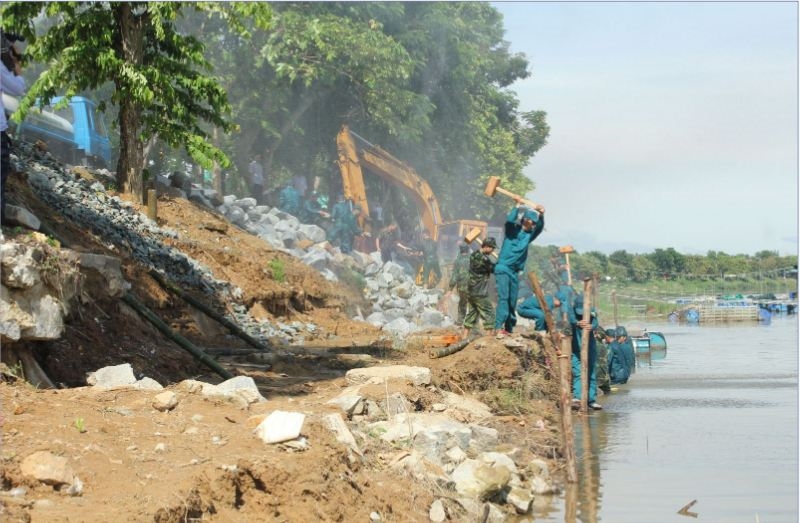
(428, 81)
(161, 79)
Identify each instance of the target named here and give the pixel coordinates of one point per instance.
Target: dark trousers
(258, 192)
(5, 170)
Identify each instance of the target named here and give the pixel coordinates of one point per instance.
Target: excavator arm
(354, 151)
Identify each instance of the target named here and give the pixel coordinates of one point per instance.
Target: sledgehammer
(493, 187)
(473, 235)
(566, 250)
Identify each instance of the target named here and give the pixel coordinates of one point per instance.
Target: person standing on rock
(256, 171)
(520, 231)
(388, 238)
(11, 82)
(312, 211)
(350, 230)
(289, 200)
(481, 266)
(459, 280)
(339, 217)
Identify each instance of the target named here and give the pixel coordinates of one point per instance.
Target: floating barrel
(658, 345)
(652, 344)
(657, 341)
(641, 344)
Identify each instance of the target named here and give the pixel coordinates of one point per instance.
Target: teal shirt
(514, 251)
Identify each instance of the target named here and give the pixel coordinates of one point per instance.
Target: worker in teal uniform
(581, 327)
(618, 367)
(339, 218)
(312, 211)
(350, 230)
(521, 228)
(289, 200)
(626, 349)
(531, 309)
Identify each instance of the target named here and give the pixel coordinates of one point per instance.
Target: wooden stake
(152, 204)
(585, 335)
(562, 358)
(565, 364)
(614, 299)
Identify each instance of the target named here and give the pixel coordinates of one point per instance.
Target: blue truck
(75, 134)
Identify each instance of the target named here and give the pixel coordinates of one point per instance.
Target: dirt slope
(201, 461)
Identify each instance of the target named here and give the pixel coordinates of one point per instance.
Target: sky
(672, 124)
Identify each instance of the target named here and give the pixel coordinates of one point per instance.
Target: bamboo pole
(201, 356)
(235, 329)
(561, 358)
(585, 334)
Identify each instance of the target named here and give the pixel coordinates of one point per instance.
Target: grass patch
(278, 269)
(521, 399)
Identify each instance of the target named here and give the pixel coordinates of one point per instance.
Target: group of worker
(471, 277)
(611, 357)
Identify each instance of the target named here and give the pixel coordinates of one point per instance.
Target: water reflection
(582, 500)
(715, 422)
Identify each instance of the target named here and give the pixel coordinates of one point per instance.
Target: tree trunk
(217, 170)
(131, 154)
(306, 101)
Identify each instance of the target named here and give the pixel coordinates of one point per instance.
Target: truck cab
(75, 134)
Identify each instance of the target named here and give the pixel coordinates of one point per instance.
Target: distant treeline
(664, 264)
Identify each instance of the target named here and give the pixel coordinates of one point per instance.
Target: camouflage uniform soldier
(459, 280)
(481, 266)
(603, 378)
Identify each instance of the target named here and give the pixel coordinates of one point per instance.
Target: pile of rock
(464, 457)
(399, 306)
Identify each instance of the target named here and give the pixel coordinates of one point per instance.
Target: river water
(715, 420)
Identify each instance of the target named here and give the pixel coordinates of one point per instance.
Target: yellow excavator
(355, 152)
